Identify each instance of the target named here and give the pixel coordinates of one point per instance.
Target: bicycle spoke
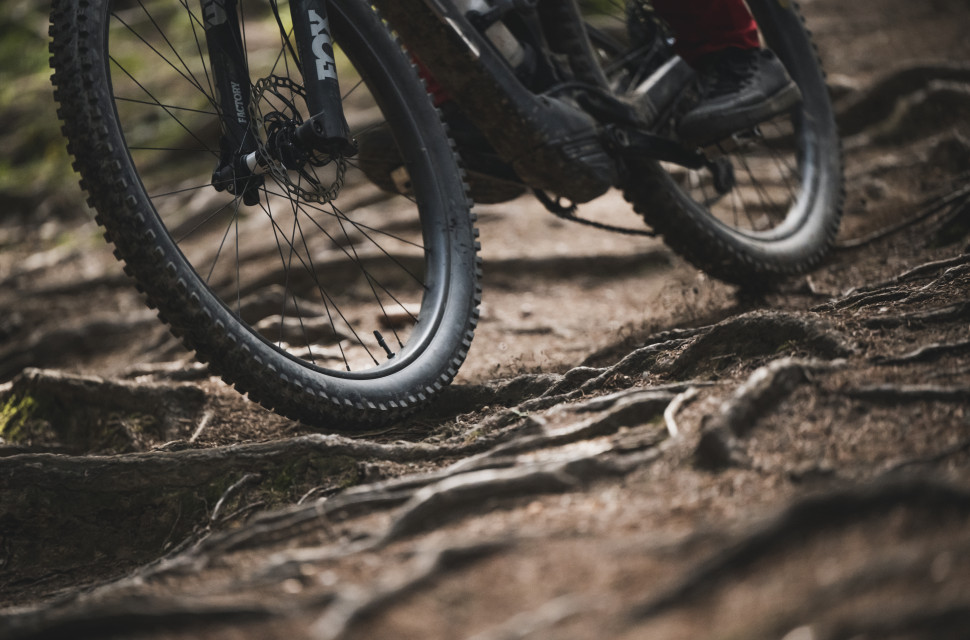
(340, 265)
(167, 111)
(191, 80)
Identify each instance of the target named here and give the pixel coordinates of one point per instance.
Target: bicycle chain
(569, 213)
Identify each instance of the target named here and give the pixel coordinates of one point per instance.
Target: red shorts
(700, 27)
(705, 26)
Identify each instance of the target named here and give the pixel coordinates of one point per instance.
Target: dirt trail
(632, 450)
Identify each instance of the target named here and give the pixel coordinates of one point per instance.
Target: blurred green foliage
(36, 179)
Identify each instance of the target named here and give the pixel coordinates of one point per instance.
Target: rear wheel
(329, 300)
(769, 203)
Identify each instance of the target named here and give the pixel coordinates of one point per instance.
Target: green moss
(78, 527)
(16, 418)
(296, 477)
(27, 419)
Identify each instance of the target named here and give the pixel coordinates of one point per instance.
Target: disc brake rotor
(313, 177)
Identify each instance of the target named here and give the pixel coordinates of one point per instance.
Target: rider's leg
(489, 178)
(742, 84)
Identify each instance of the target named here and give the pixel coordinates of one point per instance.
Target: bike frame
(552, 142)
(559, 145)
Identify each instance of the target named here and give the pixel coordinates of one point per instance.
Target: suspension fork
(230, 72)
(325, 131)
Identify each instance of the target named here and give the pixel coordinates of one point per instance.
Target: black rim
(774, 165)
(313, 280)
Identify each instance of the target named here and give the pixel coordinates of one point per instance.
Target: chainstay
(569, 214)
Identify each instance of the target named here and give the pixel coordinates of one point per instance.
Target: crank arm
(633, 142)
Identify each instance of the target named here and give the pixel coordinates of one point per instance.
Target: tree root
(758, 333)
(950, 313)
(249, 478)
(802, 521)
(84, 414)
(919, 114)
(538, 621)
(956, 198)
(956, 449)
(353, 606)
(622, 409)
(924, 353)
(177, 490)
(764, 389)
(869, 298)
(896, 394)
(445, 500)
(921, 271)
(537, 392)
(128, 617)
(431, 498)
(670, 413)
(878, 102)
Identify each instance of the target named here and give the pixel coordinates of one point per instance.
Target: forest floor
(631, 449)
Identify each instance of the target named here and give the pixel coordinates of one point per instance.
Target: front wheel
(769, 204)
(324, 298)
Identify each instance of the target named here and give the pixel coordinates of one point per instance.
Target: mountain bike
(279, 184)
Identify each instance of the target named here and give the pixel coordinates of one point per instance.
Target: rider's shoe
(490, 180)
(739, 90)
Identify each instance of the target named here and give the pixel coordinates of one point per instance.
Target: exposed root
(268, 528)
(181, 491)
(249, 478)
(896, 394)
(176, 371)
(443, 501)
(353, 606)
(921, 271)
(878, 103)
(763, 390)
(950, 313)
(921, 113)
(760, 333)
(925, 353)
(956, 199)
(953, 450)
(129, 617)
(572, 379)
(803, 520)
(869, 298)
(634, 364)
(203, 423)
(458, 399)
(670, 413)
(538, 621)
(84, 414)
(623, 409)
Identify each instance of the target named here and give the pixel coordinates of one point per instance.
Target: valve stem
(383, 343)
